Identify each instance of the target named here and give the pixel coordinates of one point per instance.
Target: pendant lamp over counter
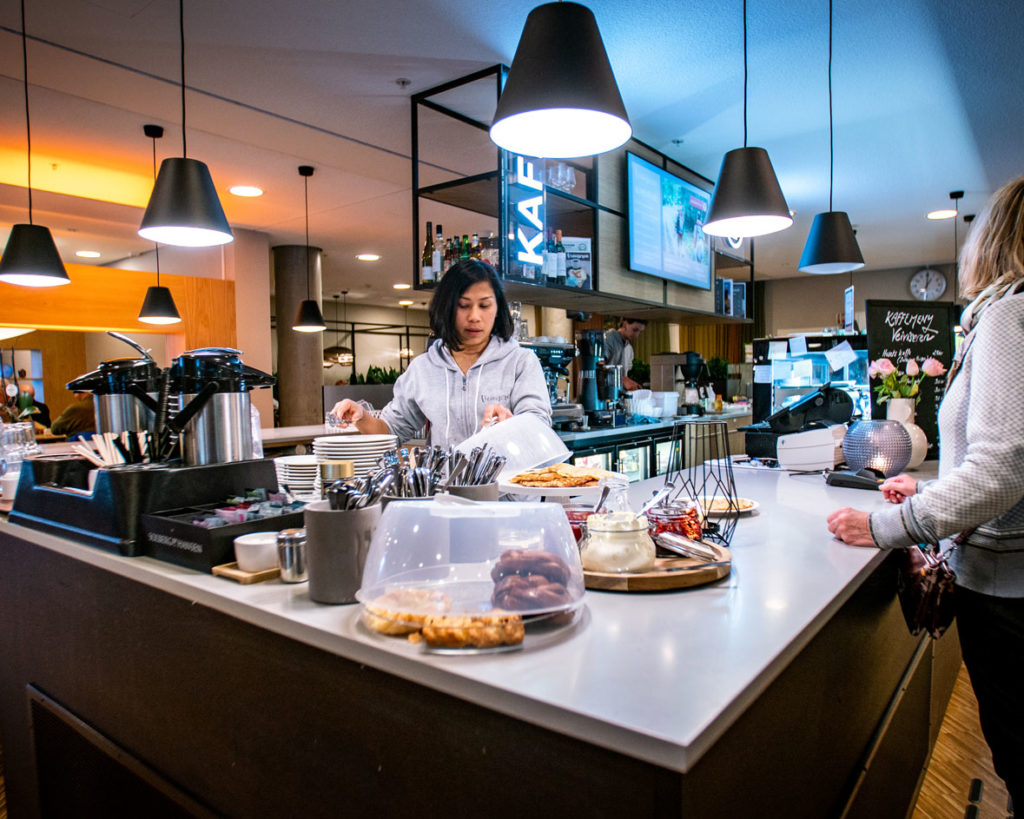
(748, 200)
(309, 319)
(339, 354)
(831, 245)
(158, 307)
(183, 208)
(30, 258)
(560, 99)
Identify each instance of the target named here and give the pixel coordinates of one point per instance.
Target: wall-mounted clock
(927, 284)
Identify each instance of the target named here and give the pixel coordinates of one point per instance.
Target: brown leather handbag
(925, 587)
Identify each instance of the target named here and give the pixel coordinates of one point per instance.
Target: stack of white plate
(362, 450)
(301, 474)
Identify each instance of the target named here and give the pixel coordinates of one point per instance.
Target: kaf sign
(528, 195)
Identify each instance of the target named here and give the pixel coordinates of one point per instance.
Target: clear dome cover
(479, 566)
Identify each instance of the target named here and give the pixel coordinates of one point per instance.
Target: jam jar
(617, 542)
(681, 518)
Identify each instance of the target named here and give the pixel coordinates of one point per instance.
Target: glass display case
(786, 369)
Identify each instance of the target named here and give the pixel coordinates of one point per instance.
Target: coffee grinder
(693, 373)
(555, 358)
(592, 394)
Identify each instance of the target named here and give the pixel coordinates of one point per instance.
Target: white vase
(904, 410)
(901, 409)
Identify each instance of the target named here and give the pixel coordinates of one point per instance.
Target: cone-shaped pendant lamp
(560, 98)
(183, 208)
(30, 258)
(748, 200)
(158, 307)
(831, 245)
(338, 354)
(309, 319)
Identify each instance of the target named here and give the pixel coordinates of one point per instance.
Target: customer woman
(471, 374)
(981, 481)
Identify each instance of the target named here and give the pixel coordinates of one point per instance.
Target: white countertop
(655, 676)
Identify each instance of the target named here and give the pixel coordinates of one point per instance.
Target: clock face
(927, 284)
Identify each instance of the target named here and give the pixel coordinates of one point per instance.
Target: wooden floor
(960, 757)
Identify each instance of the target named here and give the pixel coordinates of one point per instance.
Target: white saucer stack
(301, 474)
(362, 450)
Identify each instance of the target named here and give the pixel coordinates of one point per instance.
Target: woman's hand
(899, 488)
(851, 526)
(493, 413)
(348, 411)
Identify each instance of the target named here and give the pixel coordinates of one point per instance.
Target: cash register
(807, 434)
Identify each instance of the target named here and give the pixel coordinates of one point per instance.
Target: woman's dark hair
(457, 280)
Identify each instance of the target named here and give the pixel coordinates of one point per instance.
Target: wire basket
(700, 468)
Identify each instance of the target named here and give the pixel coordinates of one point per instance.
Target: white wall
(811, 303)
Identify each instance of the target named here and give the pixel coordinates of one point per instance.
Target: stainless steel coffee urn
(212, 388)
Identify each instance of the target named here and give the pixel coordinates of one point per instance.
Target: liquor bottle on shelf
(492, 251)
(427, 261)
(474, 247)
(548, 255)
(437, 257)
(464, 250)
(559, 259)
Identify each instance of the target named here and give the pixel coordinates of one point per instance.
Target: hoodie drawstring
(447, 406)
(476, 397)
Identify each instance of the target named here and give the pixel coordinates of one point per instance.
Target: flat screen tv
(666, 220)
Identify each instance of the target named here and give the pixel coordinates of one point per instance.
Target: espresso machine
(600, 385)
(692, 378)
(554, 361)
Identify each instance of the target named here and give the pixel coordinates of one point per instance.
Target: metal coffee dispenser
(124, 391)
(211, 386)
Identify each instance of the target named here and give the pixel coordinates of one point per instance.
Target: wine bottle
(559, 258)
(437, 256)
(427, 261)
(464, 251)
(548, 255)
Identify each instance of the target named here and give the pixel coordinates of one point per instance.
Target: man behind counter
(618, 350)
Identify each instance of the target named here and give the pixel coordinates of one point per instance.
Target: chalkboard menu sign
(904, 330)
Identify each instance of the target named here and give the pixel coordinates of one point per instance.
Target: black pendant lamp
(560, 98)
(158, 307)
(338, 354)
(748, 200)
(30, 258)
(183, 208)
(309, 319)
(831, 245)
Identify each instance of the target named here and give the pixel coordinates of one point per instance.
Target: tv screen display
(666, 221)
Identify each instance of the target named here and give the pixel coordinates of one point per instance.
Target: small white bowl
(256, 552)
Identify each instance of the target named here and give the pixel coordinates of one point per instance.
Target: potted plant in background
(900, 392)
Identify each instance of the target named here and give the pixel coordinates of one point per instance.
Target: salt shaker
(291, 555)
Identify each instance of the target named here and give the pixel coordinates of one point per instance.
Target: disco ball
(883, 446)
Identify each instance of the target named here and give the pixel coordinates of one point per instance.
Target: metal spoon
(599, 506)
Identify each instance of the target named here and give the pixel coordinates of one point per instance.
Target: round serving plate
(507, 487)
(724, 513)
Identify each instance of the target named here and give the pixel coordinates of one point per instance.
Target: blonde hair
(993, 255)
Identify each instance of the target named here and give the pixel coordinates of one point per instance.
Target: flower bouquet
(906, 384)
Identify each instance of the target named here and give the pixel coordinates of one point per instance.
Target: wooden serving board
(232, 572)
(668, 573)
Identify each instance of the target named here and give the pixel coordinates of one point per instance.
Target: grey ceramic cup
(337, 542)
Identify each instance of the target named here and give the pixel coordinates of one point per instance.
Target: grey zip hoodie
(434, 390)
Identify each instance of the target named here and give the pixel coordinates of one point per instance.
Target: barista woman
(471, 374)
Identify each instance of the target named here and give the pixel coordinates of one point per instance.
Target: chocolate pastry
(526, 562)
(517, 593)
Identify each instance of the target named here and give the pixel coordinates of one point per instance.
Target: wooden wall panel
(104, 298)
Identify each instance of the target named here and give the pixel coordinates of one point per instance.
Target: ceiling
(926, 100)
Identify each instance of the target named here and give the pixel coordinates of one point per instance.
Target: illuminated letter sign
(531, 211)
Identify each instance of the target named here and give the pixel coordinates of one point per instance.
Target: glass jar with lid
(617, 542)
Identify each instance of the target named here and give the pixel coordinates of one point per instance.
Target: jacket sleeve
(402, 413)
(990, 480)
(530, 392)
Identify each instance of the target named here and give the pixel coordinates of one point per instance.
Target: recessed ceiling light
(88, 254)
(406, 302)
(402, 286)
(368, 257)
(942, 213)
(246, 190)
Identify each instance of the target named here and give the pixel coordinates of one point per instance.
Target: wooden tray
(668, 573)
(232, 572)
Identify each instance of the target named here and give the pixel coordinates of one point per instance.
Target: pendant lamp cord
(745, 73)
(28, 126)
(830, 148)
(181, 38)
(305, 184)
(156, 247)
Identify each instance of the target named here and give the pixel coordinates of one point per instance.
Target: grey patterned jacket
(981, 459)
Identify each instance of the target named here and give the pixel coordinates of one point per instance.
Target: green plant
(718, 368)
(640, 371)
(377, 375)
